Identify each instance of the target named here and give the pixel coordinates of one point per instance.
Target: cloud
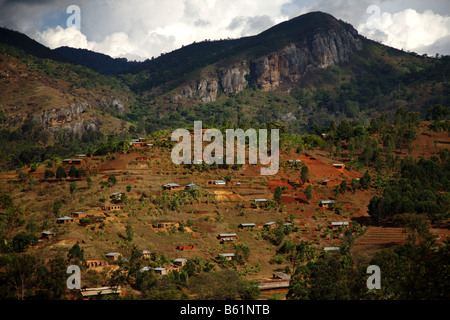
(408, 29)
(140, 29)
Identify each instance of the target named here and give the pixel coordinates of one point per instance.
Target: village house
(112, 256)
(95, 263)
(192, 186)
(270, 224)
(168, 224)
(227, 256)
(158, 270)
(79, 214)
(171, 187)
(111, 207)
(180, 262)
(222, 236)
(219, 182)
(280, 276)
(130, 179)
(332, 249)
(89, 292)
(339, 224)
(326, 203)
(259, 202)
(64, 220)
(146, 254)
(47, 235)
(185, 247)
(339, 166)
(246, 225)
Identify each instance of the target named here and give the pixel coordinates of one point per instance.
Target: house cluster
(139, 143)
(75, 162)
(175, 187)
(76, 216)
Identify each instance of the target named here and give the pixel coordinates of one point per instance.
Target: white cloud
(140, 29)
(407, 29)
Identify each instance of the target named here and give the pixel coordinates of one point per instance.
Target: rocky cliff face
(71, 120)
(288, 65)
(293, 61)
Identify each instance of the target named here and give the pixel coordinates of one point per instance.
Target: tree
(76, 255)
(221, 285)
(304, 174)
(48, 174)
(22, 241)
(22, 275)
(343, 187)
(277, 195)
(56, 207)
(309, 192)
(73, 172)
(129, 230)
(73, 187)
(417, 225)
(112, 179)
(89, 182)
(60, 173)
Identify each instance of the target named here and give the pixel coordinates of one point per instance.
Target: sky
(142, 29)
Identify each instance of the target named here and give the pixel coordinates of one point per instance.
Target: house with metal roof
(180, 262)
(113, 256)
(227, 256)
(227, 235)
(246, 225)
(65, 219)
(192, 186)
(171, 186)
(326, 203)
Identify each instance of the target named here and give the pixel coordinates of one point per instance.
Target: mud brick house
(65, 220)
(339, 166)
(130, 179)
(326, 203)
(111, 207)
(171, 187)
(270, 224)
(246, 225)
(180, 262)
(79, 214)
(168, 224)
(259, 203)
(75, 162)
(146, 254)
(227, 256)
(192, 186)
(47, 235)
(219, 182)
(185, 247)
(158, 270)
(222, 236)
(112, 256)
(95, 263)
(339, 224)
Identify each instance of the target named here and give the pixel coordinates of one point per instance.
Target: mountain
(310, 70)
(98, 62)
(305, 73)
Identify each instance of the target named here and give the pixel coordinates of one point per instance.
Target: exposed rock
(233, 80)
(57, 117)
(292, 62)
(116, 104)
(77, 129)
(207, 90)
(288, 117)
